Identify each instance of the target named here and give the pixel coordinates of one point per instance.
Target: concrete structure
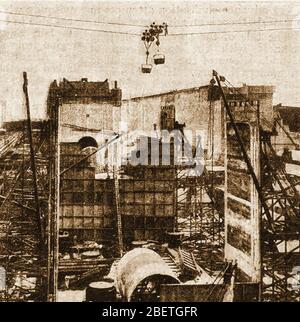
(86, 109)
(94, 112)
(91, 109)
(192, 107)
(242, 206)
(289, 119)
(259, 98)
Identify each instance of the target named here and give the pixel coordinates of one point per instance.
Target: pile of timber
(82, 265)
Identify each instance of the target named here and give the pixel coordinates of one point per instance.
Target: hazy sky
(261, 58)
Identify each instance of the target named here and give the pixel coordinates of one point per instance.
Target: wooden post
(32, 157)
(54, 202)
(57, 208)
(118, 212)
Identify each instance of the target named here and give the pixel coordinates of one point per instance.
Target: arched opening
(87, 141)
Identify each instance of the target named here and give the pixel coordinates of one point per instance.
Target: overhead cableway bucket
(159, 59)
(146, 68)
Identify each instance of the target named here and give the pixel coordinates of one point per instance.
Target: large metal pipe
(138, 265)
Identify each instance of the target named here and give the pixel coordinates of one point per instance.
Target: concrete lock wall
(242, 207)
(242, 210)
(100, 119)
(87, 119)
(191, 107)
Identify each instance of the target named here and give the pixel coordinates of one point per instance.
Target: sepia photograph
(150, 152)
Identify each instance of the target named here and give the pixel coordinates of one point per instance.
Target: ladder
(188, 262)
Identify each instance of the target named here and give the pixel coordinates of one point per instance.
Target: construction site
(76, 228)
(188, 195)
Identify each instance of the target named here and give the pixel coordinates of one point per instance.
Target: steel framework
(23, 253)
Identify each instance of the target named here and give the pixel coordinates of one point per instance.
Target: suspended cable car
(159, 59)
(148, 37)
(146, 68)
